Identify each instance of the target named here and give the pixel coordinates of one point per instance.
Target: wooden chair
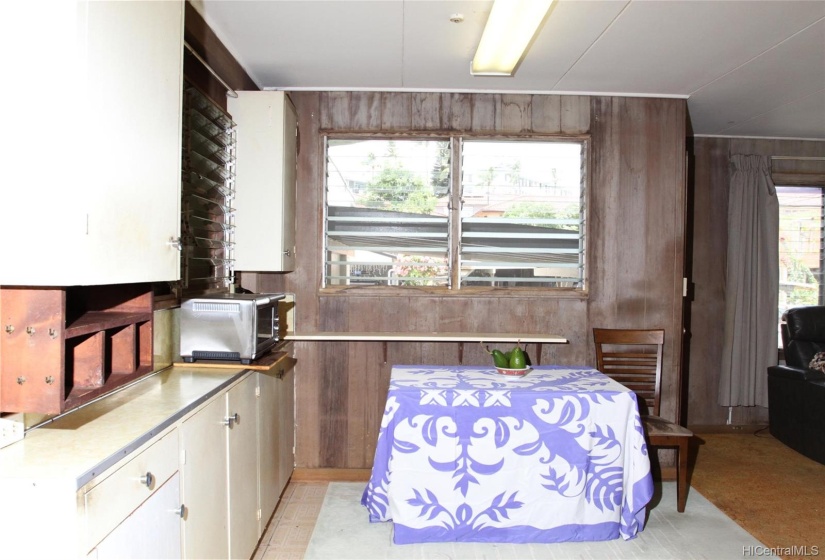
(634, 359)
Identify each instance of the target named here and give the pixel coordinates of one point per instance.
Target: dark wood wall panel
(634, 244)
(204, 41)
(638, 199)
(711, 177)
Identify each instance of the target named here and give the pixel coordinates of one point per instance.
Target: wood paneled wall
(203, 40)
(635, 254)
(708, 223)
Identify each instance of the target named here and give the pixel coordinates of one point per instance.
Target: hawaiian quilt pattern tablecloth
(467, 454)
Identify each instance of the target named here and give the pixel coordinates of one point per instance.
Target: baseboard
(726, 428)
(331, 475)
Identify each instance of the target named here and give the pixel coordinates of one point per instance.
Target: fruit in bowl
(513, 362)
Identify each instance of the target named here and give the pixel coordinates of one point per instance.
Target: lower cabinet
(205, 494)
(152, 531)
(286, 425)
(110, 501)
(236, 463)
(276, 427)
(204, 487)
(242, 472)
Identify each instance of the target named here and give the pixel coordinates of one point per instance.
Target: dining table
(465, 453)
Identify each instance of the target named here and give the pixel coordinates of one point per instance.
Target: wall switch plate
(12, 428)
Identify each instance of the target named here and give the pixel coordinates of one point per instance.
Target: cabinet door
(288, 221)
(151, 531)
(286, 424)
(265, 180)
(243, 469)
(205, 494)
(268, 436)
(96, 176)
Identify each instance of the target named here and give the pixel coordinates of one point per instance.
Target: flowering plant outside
(419, 270)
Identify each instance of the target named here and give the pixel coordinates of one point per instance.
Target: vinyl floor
(288, 533)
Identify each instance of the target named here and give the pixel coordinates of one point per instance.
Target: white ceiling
(746, 67)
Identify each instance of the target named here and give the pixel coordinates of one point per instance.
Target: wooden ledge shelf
(95, 321)
(61, 347)
(458, 337)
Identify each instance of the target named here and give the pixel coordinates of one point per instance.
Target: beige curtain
(752, 284)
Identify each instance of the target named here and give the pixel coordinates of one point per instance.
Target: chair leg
(681, 476)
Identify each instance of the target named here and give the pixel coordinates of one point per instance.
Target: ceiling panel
(282, 44)
(790, 72)
(439, 50)
(745, 66)
(667, 47)
(569, 30)
(442, 61)
(805, 118)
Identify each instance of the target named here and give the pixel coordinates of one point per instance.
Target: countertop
(83, 443)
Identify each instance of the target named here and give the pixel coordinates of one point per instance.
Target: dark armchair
(796, 393)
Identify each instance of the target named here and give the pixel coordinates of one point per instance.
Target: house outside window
(455, 212)
(801, 247)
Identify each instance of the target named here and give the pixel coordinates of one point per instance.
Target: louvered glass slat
(386, 212)
(207, 219)
(520, 206)
(522, 214)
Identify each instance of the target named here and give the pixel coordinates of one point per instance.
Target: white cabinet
(286, 426)
(187, 463)
(151, 531)
(276, 425)
(219, 449)
(267, 144)
(205, 493)
(114, 497)
(93, 195)
(242, 460)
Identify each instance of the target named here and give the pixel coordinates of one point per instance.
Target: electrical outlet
(12, 428)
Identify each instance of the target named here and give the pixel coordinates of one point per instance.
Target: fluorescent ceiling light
(509, 31)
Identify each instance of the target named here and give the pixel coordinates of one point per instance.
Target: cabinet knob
(148, 479)
(287, 253)
(181, 511)
(229, 420)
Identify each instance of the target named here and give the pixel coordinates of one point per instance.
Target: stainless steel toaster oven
(239, 327)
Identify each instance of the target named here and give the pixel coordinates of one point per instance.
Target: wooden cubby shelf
(62, 347)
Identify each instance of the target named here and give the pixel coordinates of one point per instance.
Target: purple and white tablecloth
(467, 454)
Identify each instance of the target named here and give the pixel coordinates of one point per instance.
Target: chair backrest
(633, 357)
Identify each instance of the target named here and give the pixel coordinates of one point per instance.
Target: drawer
(119, 494)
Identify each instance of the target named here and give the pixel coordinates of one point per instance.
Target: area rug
(343, 532)
(773, 492)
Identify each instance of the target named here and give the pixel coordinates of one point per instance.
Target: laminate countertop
(83, 443)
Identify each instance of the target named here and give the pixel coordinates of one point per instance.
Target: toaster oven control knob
(229, 420)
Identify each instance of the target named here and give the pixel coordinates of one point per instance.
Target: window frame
(455, 138)
(791, 183)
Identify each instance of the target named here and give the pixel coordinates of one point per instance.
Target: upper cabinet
(93, 196)
(267, 144)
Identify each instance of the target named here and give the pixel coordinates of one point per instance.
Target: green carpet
(343, 532)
